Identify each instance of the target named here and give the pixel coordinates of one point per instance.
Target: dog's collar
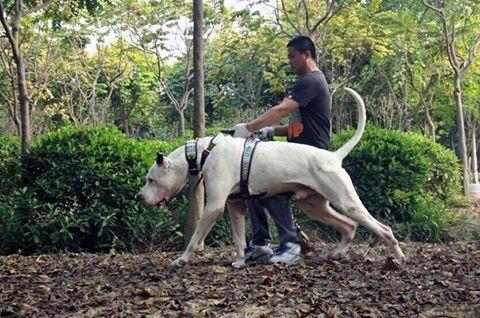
(191, 156)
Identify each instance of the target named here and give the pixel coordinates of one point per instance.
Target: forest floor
(438, 280)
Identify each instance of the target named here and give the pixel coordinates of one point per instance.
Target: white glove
(241, 131)
(266, 133)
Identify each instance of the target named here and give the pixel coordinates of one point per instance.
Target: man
(308, 104)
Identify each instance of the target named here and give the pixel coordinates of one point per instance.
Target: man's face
(298, 61)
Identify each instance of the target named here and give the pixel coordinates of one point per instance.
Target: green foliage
(429, 220)
(390, 169)
(78, 194)
(10, 158)
(78, 185)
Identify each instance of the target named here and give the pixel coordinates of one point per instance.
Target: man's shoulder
(312, 78)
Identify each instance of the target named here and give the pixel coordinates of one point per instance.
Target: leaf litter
(438, 280)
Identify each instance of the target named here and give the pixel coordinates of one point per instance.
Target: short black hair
(303, 44)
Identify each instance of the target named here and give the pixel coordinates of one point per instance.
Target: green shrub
(392, 169)
(403, 179)
(429, 222)
(75, 190)
(10, 164)
(79, 193)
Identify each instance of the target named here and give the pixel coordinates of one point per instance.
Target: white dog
(315, 176)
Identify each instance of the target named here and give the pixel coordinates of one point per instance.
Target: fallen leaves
(438, 278)
(391, 265)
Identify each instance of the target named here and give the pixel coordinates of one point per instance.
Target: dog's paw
(200, 248)
(399, 254)
(238, 263)
(178, 262)
(337, 255)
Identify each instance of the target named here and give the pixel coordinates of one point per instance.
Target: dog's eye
(150, 180)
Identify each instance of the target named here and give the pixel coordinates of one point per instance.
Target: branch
(38, 8)
(277, 17)
(472, 53)
(435, 9)
(8, 33)
(328, 9)
(307, 18)
(288, 18)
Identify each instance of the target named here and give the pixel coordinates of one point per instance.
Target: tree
(197, 191)
(12, 13)
(459, 19)
(9, 96)
(149, 26)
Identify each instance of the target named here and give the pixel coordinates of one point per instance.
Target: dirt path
(438, 280)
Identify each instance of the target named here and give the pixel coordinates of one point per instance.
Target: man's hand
(266, 133)
(241, 131)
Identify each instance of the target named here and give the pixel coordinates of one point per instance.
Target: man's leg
(289, 251)
(259, 250)
(281, 212)
(259, 221)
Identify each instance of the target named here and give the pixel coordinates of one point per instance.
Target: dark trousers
(278, 207)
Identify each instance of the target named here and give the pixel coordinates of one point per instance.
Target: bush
(10, 164)
(404, 179)
(75, 190)
(429, 222)
(78, 194)
(392, 171)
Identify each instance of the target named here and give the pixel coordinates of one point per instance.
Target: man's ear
(308, 54)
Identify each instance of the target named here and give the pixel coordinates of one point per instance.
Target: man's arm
(273, 115)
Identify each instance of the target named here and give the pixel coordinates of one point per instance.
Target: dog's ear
(159, 159)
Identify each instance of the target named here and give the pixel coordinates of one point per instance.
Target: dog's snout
(139, 197)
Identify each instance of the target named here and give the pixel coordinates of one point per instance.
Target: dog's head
(164, 181)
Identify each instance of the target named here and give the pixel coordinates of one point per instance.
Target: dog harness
(245, 166)
(191, 156)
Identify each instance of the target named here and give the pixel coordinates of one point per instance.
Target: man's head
(301, 54)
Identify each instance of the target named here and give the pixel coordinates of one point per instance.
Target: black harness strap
(206, 152)
(191, 156)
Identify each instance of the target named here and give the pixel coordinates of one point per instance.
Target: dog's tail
(362, 117)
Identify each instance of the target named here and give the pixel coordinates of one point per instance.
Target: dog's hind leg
(338, 188)
(237, 211)
(319, 209)
(213, 209)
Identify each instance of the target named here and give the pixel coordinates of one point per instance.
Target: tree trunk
(23, 99)
(197, 195)
(181, 122)
(199, 102)
(474, 154)
(457, 93)
(430, 123)
(12, 33)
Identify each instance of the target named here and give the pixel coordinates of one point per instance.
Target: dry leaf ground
(439, 280)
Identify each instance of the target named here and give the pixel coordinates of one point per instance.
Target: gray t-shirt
(310, 123)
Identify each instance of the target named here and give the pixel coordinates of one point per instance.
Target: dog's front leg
(237, 211)
(212, 211)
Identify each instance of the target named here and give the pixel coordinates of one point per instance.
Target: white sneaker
(290, 254)
(258, 253)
